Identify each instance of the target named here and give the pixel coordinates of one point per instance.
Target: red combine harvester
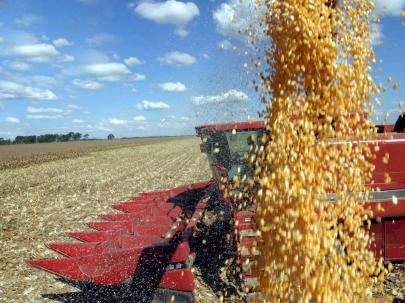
(152, 247)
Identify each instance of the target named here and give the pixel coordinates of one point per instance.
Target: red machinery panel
(378, 245)
(396, 150)
(395, 240)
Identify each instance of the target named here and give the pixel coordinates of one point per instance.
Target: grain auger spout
(159, 238)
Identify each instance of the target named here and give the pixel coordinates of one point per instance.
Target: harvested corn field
(23, 155)
(43, 201)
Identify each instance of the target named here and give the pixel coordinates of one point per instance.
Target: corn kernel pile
(317, 87)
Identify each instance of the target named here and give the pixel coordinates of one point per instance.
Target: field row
(23, 155)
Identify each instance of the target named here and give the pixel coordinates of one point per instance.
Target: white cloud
(18, 65)
(181, 32)
(40, 52)
(234, 18)
(377, 36)
(169, 12)
(389, 7)
(227, 45)
(98, 67)
(12, 120)
(115, 121)
(87, 84)
(99, 39)
(177, 58)
(50, 113)
(139, 119)
(13, 90)
(31, 47)
(137, 77)
(134, 90)
(67, 58)
(225, 19)
(100, 126)
(41, 110)
(173, 87)
(37, 81)
(132, 61)
(44, 117)
(110, 71)
(27, 20)
(205, 56)
(77, 121)
(148, 105)
(231, 96)
(43, 81)
(62, 42)
(72, 107)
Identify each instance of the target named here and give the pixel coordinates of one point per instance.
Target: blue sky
(145, 67)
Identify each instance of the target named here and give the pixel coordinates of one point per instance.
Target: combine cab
(159, 237)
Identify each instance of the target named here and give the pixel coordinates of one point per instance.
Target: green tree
(47, 138)
(25, 139)
(5, 141)
(70, 136)
(77, 136)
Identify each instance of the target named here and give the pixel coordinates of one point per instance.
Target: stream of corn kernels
(317, 90)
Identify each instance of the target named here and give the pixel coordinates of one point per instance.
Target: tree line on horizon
(47, 138)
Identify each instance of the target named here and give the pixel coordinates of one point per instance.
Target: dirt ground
(23, 155)
(41, 202)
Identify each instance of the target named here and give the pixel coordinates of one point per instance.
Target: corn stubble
(317, 86)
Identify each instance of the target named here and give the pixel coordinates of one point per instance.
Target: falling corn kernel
(394, 200)
(317, 77)
(386, 158)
